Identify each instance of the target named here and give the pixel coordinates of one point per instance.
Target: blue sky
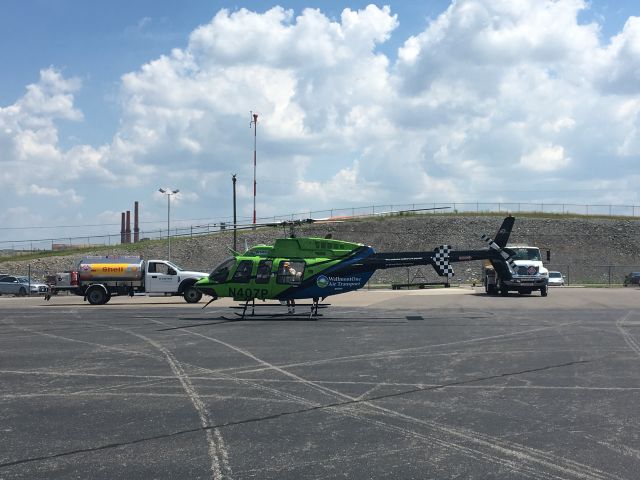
(99, 41)
(397, 102)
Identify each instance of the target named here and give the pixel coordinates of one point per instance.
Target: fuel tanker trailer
(98, 278)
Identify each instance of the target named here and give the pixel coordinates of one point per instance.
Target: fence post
(609, 275)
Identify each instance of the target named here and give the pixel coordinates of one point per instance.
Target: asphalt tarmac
(404, 385)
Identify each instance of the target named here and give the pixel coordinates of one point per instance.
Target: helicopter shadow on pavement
(283, 317)
(230, 320)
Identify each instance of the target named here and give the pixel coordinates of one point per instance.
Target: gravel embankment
(585, 249)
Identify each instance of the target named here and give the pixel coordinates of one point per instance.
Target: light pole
(168, 193)
(255, 137)
(235, 221)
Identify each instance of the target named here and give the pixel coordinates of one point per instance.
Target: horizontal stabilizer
(440, 261)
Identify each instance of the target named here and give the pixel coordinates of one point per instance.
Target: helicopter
(297, 268)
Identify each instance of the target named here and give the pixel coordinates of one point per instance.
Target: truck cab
(529, 274)
(164, 278)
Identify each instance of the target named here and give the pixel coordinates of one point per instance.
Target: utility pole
(235, 238)
(255, 137)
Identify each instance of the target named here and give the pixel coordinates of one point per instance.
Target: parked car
(556, 279)
(632, 279)
(12, 285)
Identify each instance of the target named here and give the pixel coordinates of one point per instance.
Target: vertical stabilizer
(502, 237)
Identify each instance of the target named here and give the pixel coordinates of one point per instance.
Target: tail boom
(443, 256)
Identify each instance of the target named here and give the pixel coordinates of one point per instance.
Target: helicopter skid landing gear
(313, 313)
(244, 310)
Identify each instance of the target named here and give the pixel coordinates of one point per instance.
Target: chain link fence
(596, 275)
(468, 273)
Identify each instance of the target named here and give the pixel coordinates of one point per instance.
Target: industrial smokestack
(122, 228)
(127, 232)
(136, 230)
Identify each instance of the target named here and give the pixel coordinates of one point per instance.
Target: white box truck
(529, 273)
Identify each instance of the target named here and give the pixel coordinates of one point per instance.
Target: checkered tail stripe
(440, 261)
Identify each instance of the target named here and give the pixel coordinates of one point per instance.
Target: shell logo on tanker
(113, 268)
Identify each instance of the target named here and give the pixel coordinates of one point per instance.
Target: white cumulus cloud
(545, 159)
(490, 91)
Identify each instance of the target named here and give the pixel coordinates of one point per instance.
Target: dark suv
(632, 279)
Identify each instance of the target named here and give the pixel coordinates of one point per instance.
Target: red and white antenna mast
(255, 137)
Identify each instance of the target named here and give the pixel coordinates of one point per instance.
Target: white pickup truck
(98, 278)
(529, 274)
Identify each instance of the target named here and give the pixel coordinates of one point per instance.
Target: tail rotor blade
(494, 246)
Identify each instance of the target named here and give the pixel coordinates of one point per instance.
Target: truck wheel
(504, 291)
(97, 296)
(192, 294)
(543, 291)
(489, 288)
(22, 292)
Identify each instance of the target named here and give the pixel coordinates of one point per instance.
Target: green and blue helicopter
(297, 268)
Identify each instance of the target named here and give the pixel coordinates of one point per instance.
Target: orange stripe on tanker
(105, 271)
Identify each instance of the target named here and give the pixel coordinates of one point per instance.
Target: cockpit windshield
(524, 253)
(221, 272)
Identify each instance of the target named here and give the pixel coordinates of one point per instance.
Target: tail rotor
(505, 256)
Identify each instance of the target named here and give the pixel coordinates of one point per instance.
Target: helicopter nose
(207, 291)
(206, 288)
